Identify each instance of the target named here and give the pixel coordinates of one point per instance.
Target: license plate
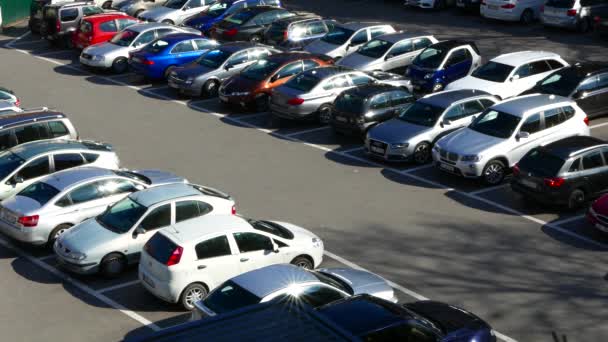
(341, 119)
(446, 167)
(492, 7)
(376, 149)
(148, 281)
(528, 183)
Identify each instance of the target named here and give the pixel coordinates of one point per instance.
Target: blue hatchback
(223, 8)
(157, 59)
(442, 63)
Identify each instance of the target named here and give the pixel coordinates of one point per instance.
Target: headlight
(437, 87)
(428, 76)
(471, 158)
(317, 243)
(77, 256)
(400, 145)
(98, 58)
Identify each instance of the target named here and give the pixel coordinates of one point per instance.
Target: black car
(248, 24)
(567, 172)
(35, 20)
(586, 83)
(357, 109)
(375, 319)
(61, 19)
(295, 32)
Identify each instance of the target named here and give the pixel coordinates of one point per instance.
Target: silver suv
(503, 133)
(35, 124)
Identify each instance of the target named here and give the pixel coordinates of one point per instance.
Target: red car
(597, 214)
(100, 28)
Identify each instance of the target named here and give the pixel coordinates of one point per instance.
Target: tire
(137, 13)
(168, 22)
(168, 71)
(120, 65)
(422, 153)
(527, 17)
(60, 229)
(106, 5)
(494, 172)
(112, 265)
(255, 39)
(324, 114)
(304, 262)
(576, 199)
(209, 89)
(583, 26)
(261, 103)
(191, 294)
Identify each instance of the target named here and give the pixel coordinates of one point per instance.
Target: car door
(83, 202)
(27, 174)
(184, 52)
(215, 261)
(519, 146)
(399, 55)
(457, 64)
(157, 217)
(596, 172)
(255, 251)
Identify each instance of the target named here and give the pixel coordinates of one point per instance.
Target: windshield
(420, 113)
(124, 38)
(39, 192)
(230, 297)
(133, 175)
(271, 228)
(430, 58)
(375, 48)
(337, 36)
(562, 82)
(122, 215)
(260, 70)
(156, 46)
(495, 123)
(213, 59)
(350, 103)
(492, 71)
(333, 281)
(240, 17)
(303, 82)
(8, 163)
(542, 162)
(175, 4)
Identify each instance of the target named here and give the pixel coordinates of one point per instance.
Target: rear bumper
(84, 268)
(293, 112)
(545, 197)
(161, 290)
(27, 235)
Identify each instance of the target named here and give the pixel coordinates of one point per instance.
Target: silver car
(114, 54)
(136, 7)
(411, 135)
(388, 52)
(343, 38)
(204, 76)
(290, 282)
(8, 97)
(45, 209)
(174, 12)
(115, 238)
(310, 94)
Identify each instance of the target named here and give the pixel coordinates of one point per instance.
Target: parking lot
(534, 273)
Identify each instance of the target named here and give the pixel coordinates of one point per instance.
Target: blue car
(221, 10)
(442, 63)
(157, 59)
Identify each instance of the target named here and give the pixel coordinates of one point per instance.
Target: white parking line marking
(250, 116)
(354, 149)
(49, 53)
(81, 286)
(599, 125)
(403, 289)
(568, 220)
(308, 131)
(492, 188)
(418, 168)
(12, 42)
(48, 257)
(27, 42)
(119, 286)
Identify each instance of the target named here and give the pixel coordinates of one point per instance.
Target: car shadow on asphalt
(144, 332)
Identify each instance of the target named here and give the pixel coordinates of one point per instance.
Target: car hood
(447, 317)
(21, 204)
(362, 282)
(238, 83)
(192, 70)
(600, 205)
(104, 49)
(157, 13)
(86, 236)
(159, 177)
(467, 141)
(323, 48)
(298, 232)
(358, 61)
(470, 82)
(396, 131)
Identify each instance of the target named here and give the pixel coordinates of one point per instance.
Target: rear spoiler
(211, 191)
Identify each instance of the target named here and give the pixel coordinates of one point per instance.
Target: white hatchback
(525, 11)
(511, 74)
(183, 262)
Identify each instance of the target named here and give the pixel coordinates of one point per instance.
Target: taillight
(29, 221)
(233, 210)
(508, 6)
(231, 32)
(586, 120)
(296, 101)
(516, 170)
(285, 34)
(176, 256)
(18, 103)
(571, 13)
(58, 25)
(147, 62)
(555, 182)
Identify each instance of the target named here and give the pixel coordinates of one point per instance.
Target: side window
(36, 168)
(523, 71)
(359, 79)
(359, 37)
(90, 157)
(377, 31)
(593, 160)
(472, 107)
(185, 210)
(112, 187)
(90, 10)
(67, 160)
(380, 101)
(57, 129)
(555, 64)
(422, 43)
(202, 44)
(554, 117)
(249, 242)
(539, 67)
(455, 113)
(317, 295)
(124, 23)
(486, 103)
(213, 248)
(7, 139)
(602, 81)
(309, 64)
(568, 112)
(238, 58)
(532, 124)
(401, 48)
(290, 70)
(69, 14)
(588, 84)
(399, 98)
(194, 3)
(298, 31)
(605, 154)
(458, 56)
(576, 165)
(157, 218)
(31, 133)
(108, 26)
(86, 193)
(316, 27)
(144, 38)
(185, 46)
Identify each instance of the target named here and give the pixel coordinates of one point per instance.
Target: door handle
(244, 259)
(201, 267)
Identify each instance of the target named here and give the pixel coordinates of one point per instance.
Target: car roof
(285, 57)
(368, 90)
(178, 37)
(359, 25)
(150, 196)
(146, 26)
(19, 118)
(327, 71)
(522, 57)
(520, 105)
(567, 147)
(584, 69)
(445, 99)
(193, 229)
(66, 178)
(450, 44)
(106, 16)
(34, 148)
(237, 46)
(399, 36)
(266, 280)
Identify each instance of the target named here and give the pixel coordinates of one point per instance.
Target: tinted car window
(309, 64)
(36, 168)
(554, 64)
(238, 58)
(90, 10)
(86, 193)
(554, 117)
(401, 48)
(458, 56)
(185, 46)
(90, 157)
(124, 23)
(377, 31)
(486, 103)
(455, 113)
(380, 101)
(350, 103)
(409, 331)
(112, 187)
(230, 297)
(39, 192)
(421, 114)
(532, 124)
(539, 67)
(542, 162)
(249, 242)
(336, 82)
(422, 43)
(57, 129)
(144, 38)
(212, 248)
(31, 133)
(375, 48)
(602, 81)
(576, 165)
(7, 139)
(290, 70)
(67, 160)
(495, 123)
(121, 216)
(271, 228)
(337, 36)
(359, 38)
(108, 26)
(472, 107)
(593, 160)
(203, 44)
(158, 218)
(303, 82)
(399, 98)
(188, 209)
(588, 84)
(317, 295)
(316, 27)
(359, 79)
(160, 248)
(69, 14)
(492, 71)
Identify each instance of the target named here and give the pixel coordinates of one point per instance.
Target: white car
(174, 12)
(505, 132)
(512, 73)
(183, 262)
(525, 11)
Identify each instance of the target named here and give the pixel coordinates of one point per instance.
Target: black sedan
(248, 24)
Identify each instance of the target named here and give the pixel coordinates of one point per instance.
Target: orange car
(251, 87)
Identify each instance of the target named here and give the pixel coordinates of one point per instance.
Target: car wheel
(107, 5)
(137, 13)
(303, 262)
(255, 38)
(112, 265)
(261, 103)
(584, 25)
(168, 22)
(576, 199)
(120, 65)
(324, 114)
(422, 153)
(209, 89)
(192, 294)
(527, 17)
(60, 229)
(494, 172)
(168, 71)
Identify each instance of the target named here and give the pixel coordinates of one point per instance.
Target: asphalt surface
(534, 273)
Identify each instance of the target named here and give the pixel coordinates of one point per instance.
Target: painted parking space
(580, 226)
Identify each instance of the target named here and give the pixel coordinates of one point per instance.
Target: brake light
(571, 12)
(17, 103)
(555, 182)
(29, 221)
(296, 101)
(285, 35)
(231, 32)
(58, 25)
(586, 120)
(234, 210)
(147, 62)
(516, 170)
(508, 6)
(176, 256)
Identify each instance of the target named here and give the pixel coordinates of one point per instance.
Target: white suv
(503, 133)
(512, 73)
(183, 262)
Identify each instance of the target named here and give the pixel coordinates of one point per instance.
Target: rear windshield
(39, 192)
(337, 36)
(160, 248)
(350, 103)
(156, 46)
(303, 82)
(560, 3)
(494, 72)
(241, 17)
(542, 162)
(230, 297)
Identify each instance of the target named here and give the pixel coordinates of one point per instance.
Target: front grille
(378, 143)
(448, 156)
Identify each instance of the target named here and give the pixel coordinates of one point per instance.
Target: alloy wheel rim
(304, 264)
(324, 115)
(494, 173)
(194, 296)
(59, 232)
(421, 154)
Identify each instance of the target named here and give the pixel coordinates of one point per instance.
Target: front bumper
(75, 267)
(457, 167)
(544, 197)
(88, 60)
(183, 87)
(384, 151)
(558, 21)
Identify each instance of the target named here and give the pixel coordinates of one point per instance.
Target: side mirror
(514, 78)
(274, 78)
(275, 247)
(186, 8)
(228, 67)
(139, 231)
(447, 122)
(17, 179)
(523, 135)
